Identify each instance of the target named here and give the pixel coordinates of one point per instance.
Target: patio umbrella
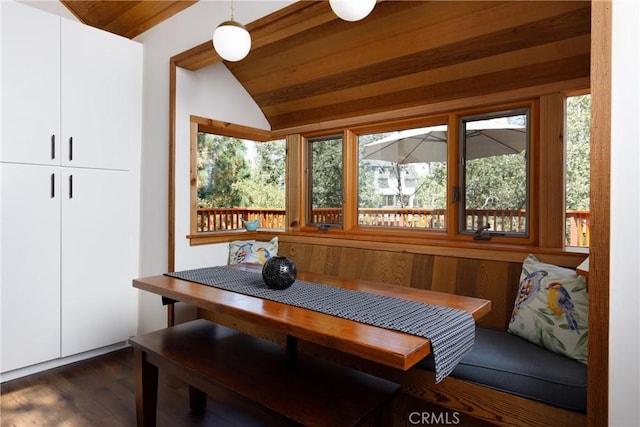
(484, 139)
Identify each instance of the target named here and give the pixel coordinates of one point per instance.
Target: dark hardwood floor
(101, 392)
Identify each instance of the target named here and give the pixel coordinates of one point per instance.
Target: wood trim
(201, 124)
(471, 250)
(171, 214)
(551, 149)
(193, 177)
(495, 406)
(598, 371)
(350, 180)
(230, 129)
(172, 167)
(453, 177)
(294, 183)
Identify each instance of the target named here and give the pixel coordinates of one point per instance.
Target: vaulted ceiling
(308, 66)
(125, 18)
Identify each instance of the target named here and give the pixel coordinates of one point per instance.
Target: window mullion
(453, 177)
(350, 180)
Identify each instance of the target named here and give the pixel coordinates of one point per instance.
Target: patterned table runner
(451, 331)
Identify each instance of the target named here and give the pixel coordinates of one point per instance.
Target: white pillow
(551, 309)
(252, 251)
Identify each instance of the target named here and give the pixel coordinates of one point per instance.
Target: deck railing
(504, 220)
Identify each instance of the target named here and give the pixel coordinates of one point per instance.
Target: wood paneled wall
(490, 279)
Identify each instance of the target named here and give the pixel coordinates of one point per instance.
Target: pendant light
(352, 10)
(231, 40)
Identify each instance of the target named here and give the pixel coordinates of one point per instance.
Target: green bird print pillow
(551, 309)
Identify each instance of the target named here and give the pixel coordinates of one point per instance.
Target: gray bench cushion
(511, 364)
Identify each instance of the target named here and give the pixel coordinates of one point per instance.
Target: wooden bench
(474, 274)
(305, 390)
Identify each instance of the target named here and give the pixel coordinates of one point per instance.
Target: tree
(269, 167)
(496, 182)
(578, 152)
(327, 173)
(221, 165)
(266, 184)
(432, 188)
(367, 195)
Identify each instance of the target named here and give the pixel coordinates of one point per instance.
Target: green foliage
(269, 167)
(432, 188)
(267, 181)
(578, 152)
(221, 165)
(227, 177)
(326, 172)
(496, 182)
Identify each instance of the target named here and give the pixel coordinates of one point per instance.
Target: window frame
(452, 232)
(201, 124)
(565, 161)
(308, 207)
(425, 121)
(540, 235)
(462, 217)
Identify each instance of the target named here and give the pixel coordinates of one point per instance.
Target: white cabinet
(98, 259)
(71, 92)
(30, 269)
(69, 154)
(101, 97)
(30, 85)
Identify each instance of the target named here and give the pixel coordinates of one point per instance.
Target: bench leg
(197, 399)
(146, 390)
(292, 352)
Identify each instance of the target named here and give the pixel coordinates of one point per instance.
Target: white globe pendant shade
(232, 41)
(352, 10)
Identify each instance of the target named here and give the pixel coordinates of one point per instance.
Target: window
(577, 160)
(402, 178)
(440, 177)
(495, 172)
(324, 181)
(238, 179)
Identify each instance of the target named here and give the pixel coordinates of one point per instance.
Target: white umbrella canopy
(484, 138)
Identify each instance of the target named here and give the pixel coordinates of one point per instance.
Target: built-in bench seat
(508, 363)
(550, 390)
(299, 388)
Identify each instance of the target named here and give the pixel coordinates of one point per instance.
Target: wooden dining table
(385, 346)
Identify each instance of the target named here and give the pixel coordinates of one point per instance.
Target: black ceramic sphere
(279, 272)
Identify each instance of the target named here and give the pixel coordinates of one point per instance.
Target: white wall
(212, 93)
(624, 328)
(51, 6)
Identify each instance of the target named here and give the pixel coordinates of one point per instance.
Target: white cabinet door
(29, 264)
(30, 85)
(99, 302)
(101, 97)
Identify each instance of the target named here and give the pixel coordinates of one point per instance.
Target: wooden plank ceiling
(125, 18)
(307, 66)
